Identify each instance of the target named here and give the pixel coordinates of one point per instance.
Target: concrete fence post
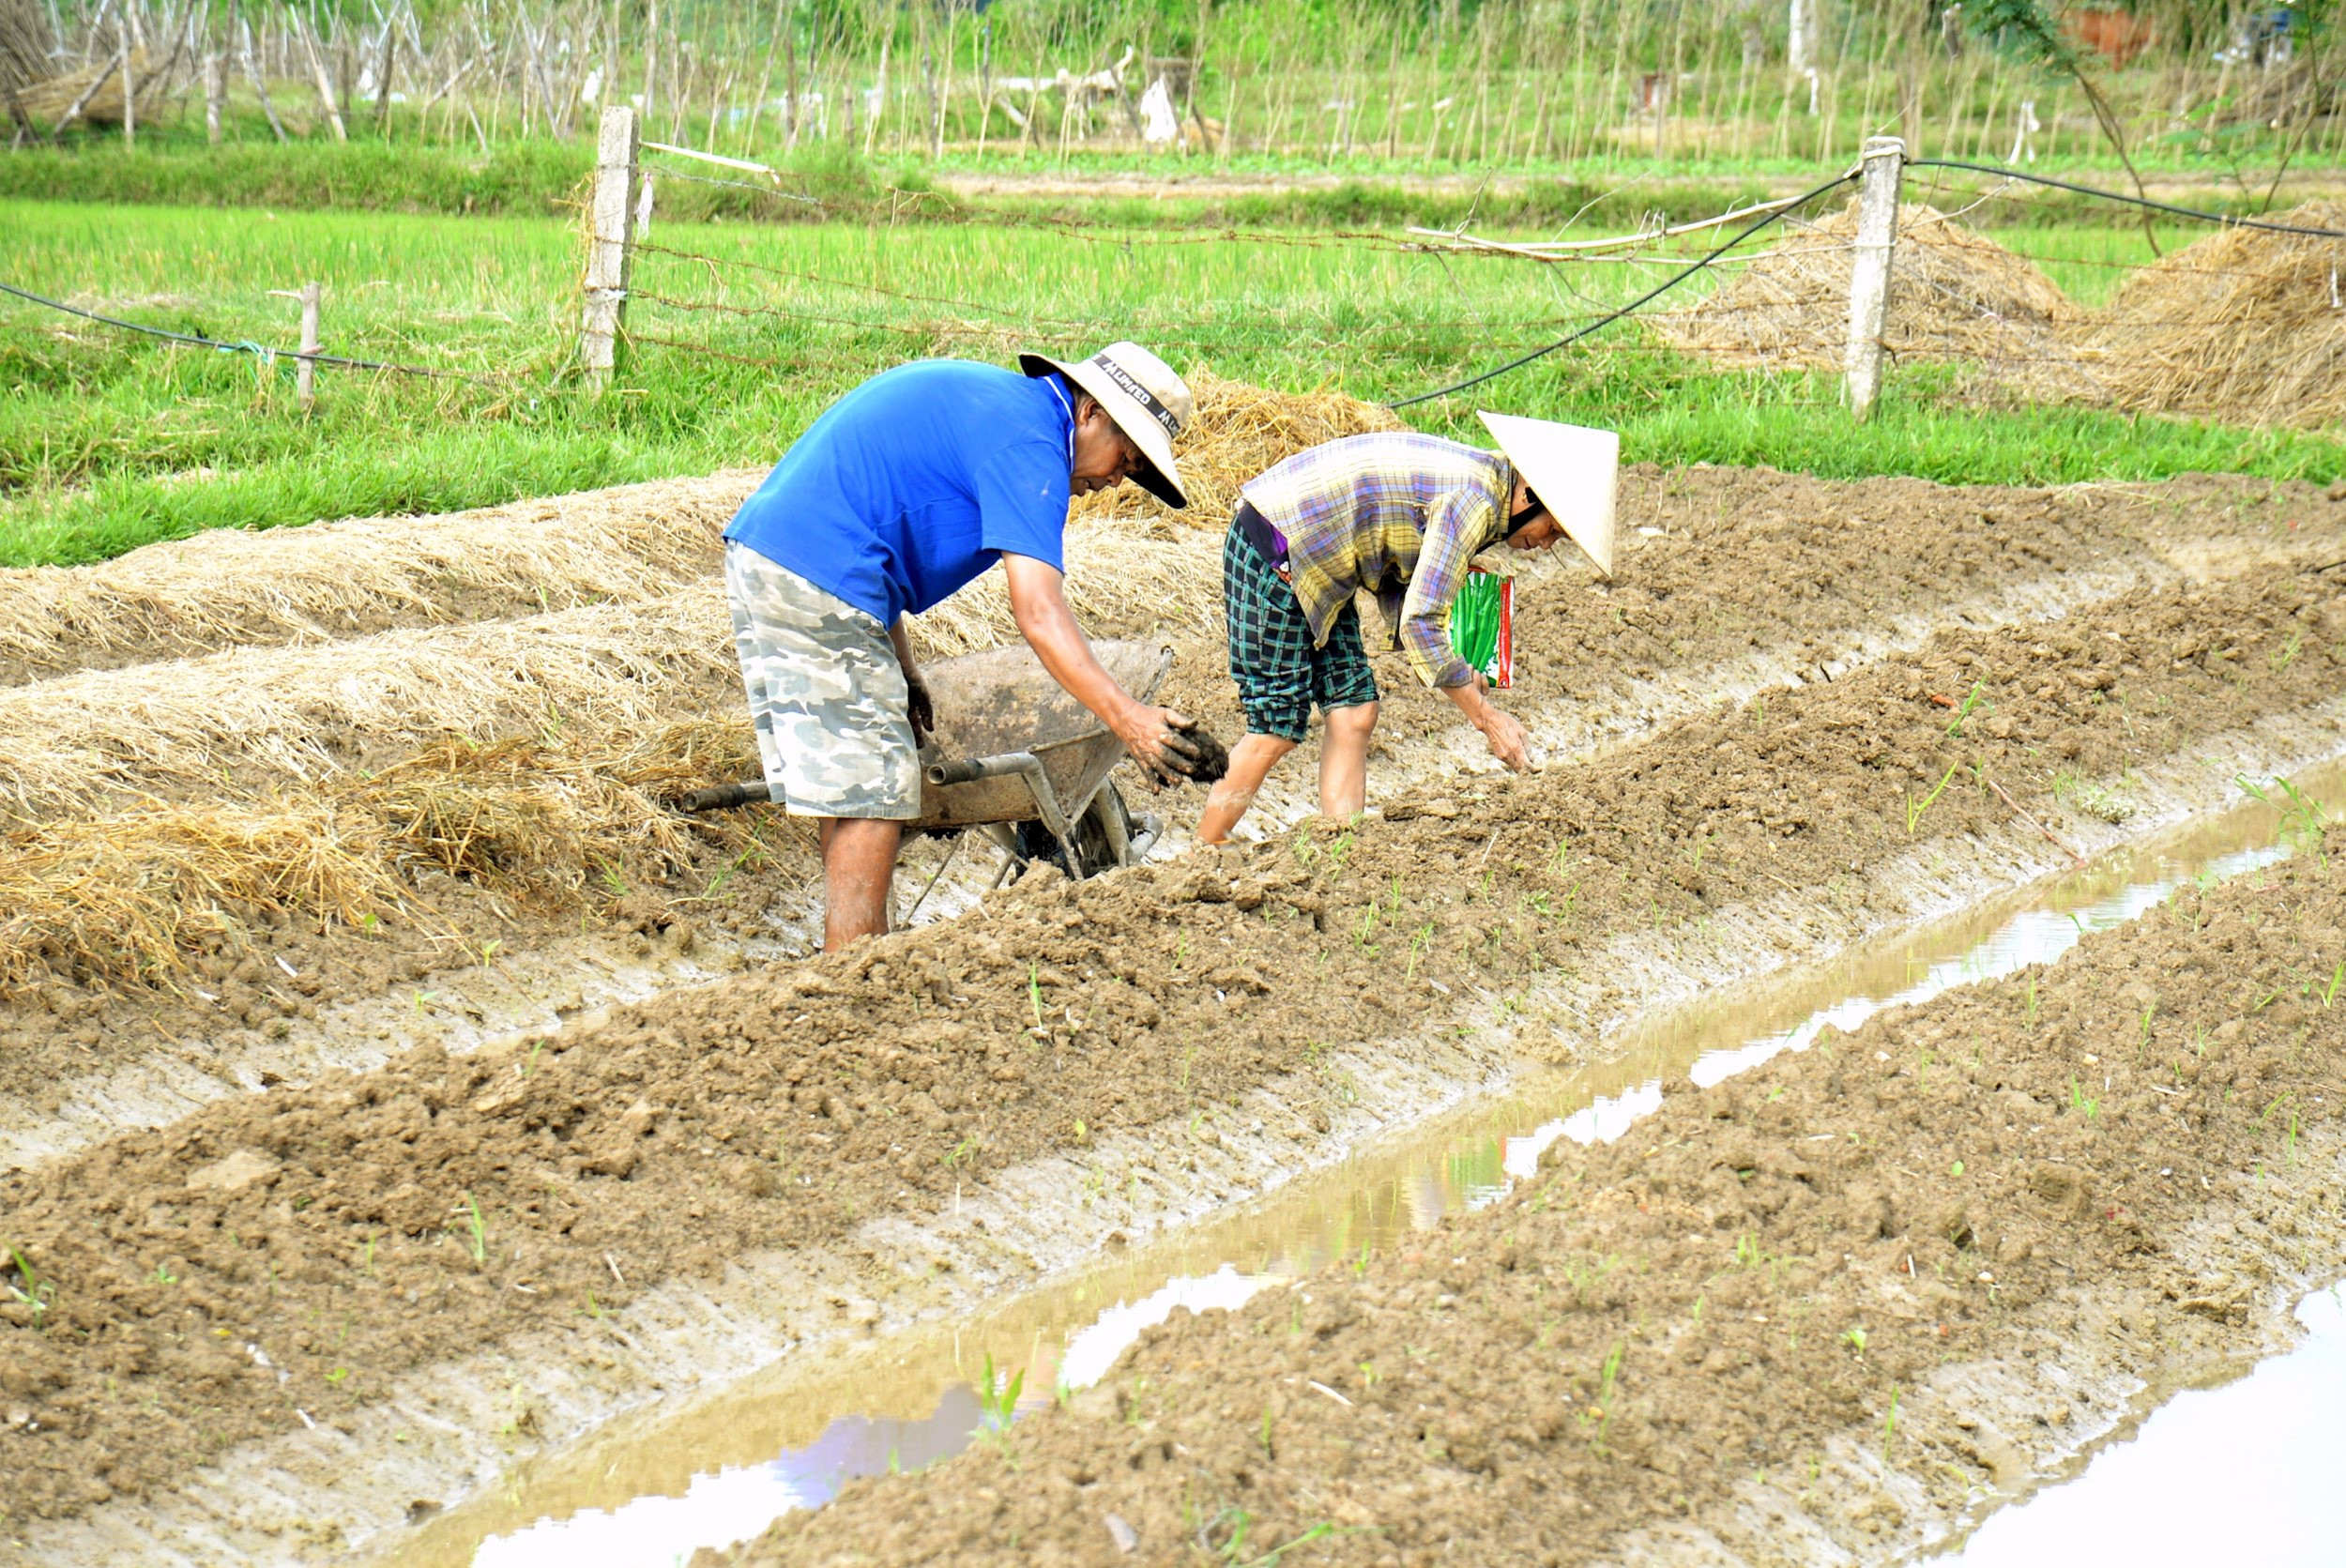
(610, 244)
(1870, 272)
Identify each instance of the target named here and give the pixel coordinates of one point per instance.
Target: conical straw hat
(1572, 469)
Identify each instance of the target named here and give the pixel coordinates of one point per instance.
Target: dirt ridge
(1692, 1323)
(606, 1137)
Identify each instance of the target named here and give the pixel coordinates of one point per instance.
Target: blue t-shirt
(912, 484)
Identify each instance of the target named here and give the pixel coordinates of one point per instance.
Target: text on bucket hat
(1148, 402)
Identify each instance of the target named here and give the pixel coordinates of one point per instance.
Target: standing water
(651, 1490)
(2244, 1472)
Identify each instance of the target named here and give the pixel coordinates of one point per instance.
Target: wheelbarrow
(1017, 758)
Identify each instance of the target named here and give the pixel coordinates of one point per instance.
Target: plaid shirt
(1395, 513)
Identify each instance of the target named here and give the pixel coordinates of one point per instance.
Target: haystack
(1955, 295)
(1239, 431)
(50, 99)
(2245, 326)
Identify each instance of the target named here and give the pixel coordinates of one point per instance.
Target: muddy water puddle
(653, 1487)
(2257, 1455)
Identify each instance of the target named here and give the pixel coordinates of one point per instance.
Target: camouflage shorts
(835, 729)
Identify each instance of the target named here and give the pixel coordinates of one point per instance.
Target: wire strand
(2216, 218)
(1648, 297)
(261, 350)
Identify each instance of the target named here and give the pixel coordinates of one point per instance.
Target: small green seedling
(163, 1274)
(1424, 939)
(1854, 1339)
(1978, 699)
(478, 1227)
(1915, 809)
(2082, 1102)
(2303, 818)
(997, 1395)
(1034, 996)
(1890, 1426)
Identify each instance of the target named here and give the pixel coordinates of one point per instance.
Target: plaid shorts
(834, 719)
(1280, 674)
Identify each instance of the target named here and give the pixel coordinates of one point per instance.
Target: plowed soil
(275, 1259)
(1719, 567)
(1750, 1325)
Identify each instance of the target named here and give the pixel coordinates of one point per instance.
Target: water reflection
(2245, 1472)
(1062, 1335)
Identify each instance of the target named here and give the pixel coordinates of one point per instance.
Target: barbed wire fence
(1886, 264)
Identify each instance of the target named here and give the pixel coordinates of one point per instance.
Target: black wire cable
(2121, 196)
(1650, 294)
(263, 350)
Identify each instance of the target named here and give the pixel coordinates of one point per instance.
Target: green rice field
(744, 331)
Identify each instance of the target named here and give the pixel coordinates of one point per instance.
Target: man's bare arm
(1039, 605)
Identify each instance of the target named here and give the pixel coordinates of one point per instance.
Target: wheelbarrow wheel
(1098, 836)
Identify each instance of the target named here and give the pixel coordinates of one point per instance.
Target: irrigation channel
(716, 1466)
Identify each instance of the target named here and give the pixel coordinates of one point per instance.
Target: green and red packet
(1483, 626)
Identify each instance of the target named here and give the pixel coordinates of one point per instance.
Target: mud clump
(1754, 1281)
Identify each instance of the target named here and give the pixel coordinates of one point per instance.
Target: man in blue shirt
(902, 493)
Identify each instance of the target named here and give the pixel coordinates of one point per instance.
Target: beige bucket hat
(1148, 402)
(1572, 471)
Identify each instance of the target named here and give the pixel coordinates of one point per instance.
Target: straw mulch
(249, 719)
(2245, 326)
(1954, 295)
(1239, 431)
(228, 586)
(121, 898)
(578, 729)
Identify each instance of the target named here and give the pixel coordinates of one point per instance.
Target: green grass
(109, 439)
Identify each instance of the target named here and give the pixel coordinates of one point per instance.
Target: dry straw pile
(1954, 295)
(226, 587)
(2245, 326)
(1239, 431)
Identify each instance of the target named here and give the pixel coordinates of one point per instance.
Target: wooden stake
(306, 375)
(325, 79)
(260, 88)
(1870, 272)
(215, 95)
(610, 244)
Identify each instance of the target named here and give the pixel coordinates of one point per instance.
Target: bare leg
(1251, 761)
(859, 870)
(1343, 761)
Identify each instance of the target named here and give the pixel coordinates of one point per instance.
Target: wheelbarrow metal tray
(1001, 702)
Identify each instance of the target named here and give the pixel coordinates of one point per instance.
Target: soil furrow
(1748, 579)
(1805, 1312)
(782, 1109)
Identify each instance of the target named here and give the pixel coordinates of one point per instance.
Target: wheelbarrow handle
(970, 769)
(725, 797)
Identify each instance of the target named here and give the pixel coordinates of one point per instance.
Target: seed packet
(1483, 626)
